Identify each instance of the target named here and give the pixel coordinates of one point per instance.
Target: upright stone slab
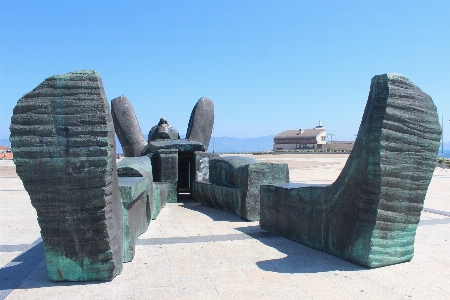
(201, 170)
(369, 215)
(62, 136)
(139, 167)
(127, 127)
(160, 193)
(201, 122)
(165, 169)
(134, 193)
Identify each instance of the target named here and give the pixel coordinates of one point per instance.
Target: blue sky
(268, 66)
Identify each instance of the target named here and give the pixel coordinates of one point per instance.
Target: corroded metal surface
(62, 136)
(127, 127)
(369, 215)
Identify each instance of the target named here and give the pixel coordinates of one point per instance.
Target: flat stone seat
(370, 214)
(234, 182)
(135, 167)
(159, 199)
(295, 185)
(133, 191)
(180, 145)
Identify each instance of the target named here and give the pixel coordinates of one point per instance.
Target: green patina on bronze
(165, 169)
(134, 193)
(369, 215)
(138, 167)
(62, 136)
(160, 193)
(234, 182)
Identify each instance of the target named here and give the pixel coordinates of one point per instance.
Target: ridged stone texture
(62, 136)
(201, 122)
(369, 215)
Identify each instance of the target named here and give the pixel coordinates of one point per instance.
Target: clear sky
(268, 66)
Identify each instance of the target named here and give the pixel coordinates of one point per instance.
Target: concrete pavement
(194, 252)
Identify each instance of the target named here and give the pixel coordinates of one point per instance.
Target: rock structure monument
(369, 215)
(234, 183)
(91, 212)
(201, 122)
(127, 127)
(63, 140)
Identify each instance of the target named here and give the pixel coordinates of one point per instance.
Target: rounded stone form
(163, 131)
(127, 127)
(63, 140)
(201, 122)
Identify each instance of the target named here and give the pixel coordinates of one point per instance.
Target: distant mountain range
(232, 144)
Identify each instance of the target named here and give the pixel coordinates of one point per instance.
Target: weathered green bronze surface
(160, 194)
(134, 193)
(234, 182)
(165, 169)
(139, 167)
(369, 215)
(201, 165)
(62, 136)
(180, 145)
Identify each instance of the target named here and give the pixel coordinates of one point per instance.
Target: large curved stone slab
(62, 136)
(370, 214)
(127, 127)
(201, 122)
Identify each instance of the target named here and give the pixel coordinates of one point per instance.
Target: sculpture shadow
(16, 271)
(299, 258)
(214, 213)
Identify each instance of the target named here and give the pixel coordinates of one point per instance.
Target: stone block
(165, 169)
(201, 170)
(138, 167)
(159, 199)
(370, 214)
(62, 136)
(234, 184)
(134, 193)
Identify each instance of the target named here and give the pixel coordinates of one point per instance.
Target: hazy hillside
(232, 144)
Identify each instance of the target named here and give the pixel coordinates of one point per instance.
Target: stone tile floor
(194, 252)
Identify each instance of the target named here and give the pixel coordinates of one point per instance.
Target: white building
(301, 139)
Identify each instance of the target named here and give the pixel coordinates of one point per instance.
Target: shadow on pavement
(299, 258)
(13, 274)
(214, 213)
